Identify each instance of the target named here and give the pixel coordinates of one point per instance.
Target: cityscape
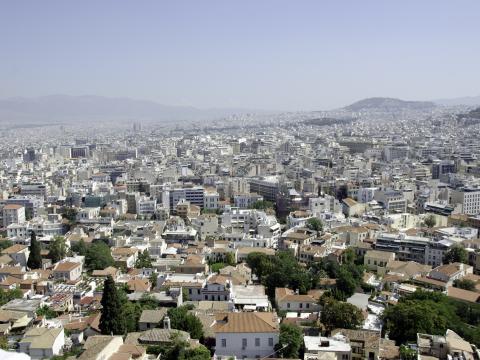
(134, 230)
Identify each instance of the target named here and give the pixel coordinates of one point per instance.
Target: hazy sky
(248, 53)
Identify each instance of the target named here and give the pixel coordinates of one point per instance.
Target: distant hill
(70, 109)
(467, 100)
(389, 105)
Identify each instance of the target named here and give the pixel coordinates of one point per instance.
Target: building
(41, 342)
(468, 198)
(375, 260)
(442, 167)
(268, 187)
(13, 214)
(245, 335)
(19, 253)
(194, 195)
(68, 271)
(288, 300)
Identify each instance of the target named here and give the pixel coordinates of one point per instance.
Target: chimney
(166, 323)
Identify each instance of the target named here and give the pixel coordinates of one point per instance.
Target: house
(246, 334)
(365, 343)
(13, 214)
(125, 257)
(101, 347)
(463, 295)
(68, 271)
(332, 348)
(217, 288)
(150, 319)
(42, 342)
(450, 272)
(27, 306)
(19, 253)
(108, 271)
(352, 208)
(287, 300)
(375, 260)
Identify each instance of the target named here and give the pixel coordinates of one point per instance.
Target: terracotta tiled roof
(247, 322)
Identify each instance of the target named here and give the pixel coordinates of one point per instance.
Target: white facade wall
(234, 344)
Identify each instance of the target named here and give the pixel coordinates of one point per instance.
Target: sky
(258, 54)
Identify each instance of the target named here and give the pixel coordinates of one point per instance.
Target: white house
(246, 335)
(42, 343)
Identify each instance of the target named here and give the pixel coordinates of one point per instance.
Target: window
(288, 305)
(224, 342)
(301, 305)
(308, 306)
(257, 341)
(244, 343)
(270, 342)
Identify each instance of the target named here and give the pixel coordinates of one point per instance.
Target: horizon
(272, 56)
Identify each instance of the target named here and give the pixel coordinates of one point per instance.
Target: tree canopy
(57, 249)
(7, 295)
(144, 260)
(80, 248)
(98, 256)
(181, 319)
(339, 314)
(315, 224)
(35, 258)
(281, 270)
(290, 341)
(112, 320)
(456, 253)
(430, 221)
(432, 313)
(465, 284)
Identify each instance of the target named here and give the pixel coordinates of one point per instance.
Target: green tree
(430, 221)
(8, 295)
(57, 249)
(346, 283)
(230, 258)
(290, 341)
(144, 260)
(98, 256)
(262, 205)
(3, 342)
(153, 280)
(112, 320)
(200, 352)
(465, 284)
(46, 312)
(70, 214)
(5, 244)
(456, 253)
(216, 267)
(181, 319)
(35, 258)
(407, 353)
(80, 248)
(404, 320)
(338, 314)
(315, 224)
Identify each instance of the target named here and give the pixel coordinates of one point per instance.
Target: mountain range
(66, 109)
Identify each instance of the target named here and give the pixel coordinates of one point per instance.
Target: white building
(469, 198)
(246, 335)
(13, 214)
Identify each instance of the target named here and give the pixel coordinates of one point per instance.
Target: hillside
(389, 105)
(70, 109)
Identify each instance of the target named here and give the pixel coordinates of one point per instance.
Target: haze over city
(266, 55)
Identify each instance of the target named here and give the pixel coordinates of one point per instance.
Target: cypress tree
(111, 320)
(35, 258)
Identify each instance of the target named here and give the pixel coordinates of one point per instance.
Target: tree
(57, 249)
(407, 353)
(404, 320)
(346, 283)
(216, 267)
(46, 312)
(290, 341)
(430, 221)
(153, 280)
(35, 258)
(5, 244)
(456, 253)
(465, 284)
(181, 319)
(8, 295)
(98, 256)
(315, 224)
(338, 314)
(80, 248)
(144, 260)
(230, 258)
(70, 214)
(262, 205)
(3, 342)
(112, 320)
(200, 352)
